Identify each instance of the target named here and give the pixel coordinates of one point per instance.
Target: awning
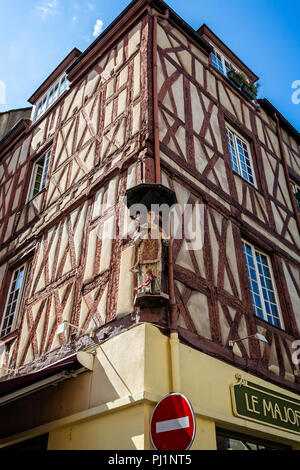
(14, 388)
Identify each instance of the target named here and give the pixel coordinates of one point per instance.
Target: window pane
(51, 95)
(37, 179)
(63, 85)
(232, 151)
(55, 93)
(230, 440)
(227, 67)
(253, 280)
(261, 286)
(12, 302)
(50, 99)
(40, 172)
(240, 156)
(243, 154)
(44, 103)
(217, 61)
(45, 170)
(269, 297)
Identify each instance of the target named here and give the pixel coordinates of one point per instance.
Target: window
(219, 61)
(14, 299)
(263, 293)
(50, 96)
(230, 440)
(39, 175)
(296, 191)
(240, 156)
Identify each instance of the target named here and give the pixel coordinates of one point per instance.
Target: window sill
(256, 106)
(248, 182)
(10, 336)
(266, 324)
(38, 194)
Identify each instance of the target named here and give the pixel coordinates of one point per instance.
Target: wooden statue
(149, 264)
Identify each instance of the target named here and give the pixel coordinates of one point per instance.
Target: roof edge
(285, 124)
(204, 29)
(54, 75)
(15, 109)
(19, 129)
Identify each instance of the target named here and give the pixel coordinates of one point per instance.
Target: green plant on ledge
(240, 80)
(250, 89)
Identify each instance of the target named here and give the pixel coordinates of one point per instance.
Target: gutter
(174, 339)
(155, 96)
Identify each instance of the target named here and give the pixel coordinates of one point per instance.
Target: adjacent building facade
(82, 362)
(9, 119)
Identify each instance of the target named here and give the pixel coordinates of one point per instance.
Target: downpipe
(174, 340)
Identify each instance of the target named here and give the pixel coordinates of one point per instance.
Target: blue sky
(37, 34)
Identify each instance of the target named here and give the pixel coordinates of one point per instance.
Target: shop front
(110, 407)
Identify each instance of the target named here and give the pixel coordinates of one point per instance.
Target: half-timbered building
(150, 108)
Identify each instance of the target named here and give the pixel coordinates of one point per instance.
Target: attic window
(50, 96)
(219, 61)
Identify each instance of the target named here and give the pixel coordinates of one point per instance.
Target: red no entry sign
(173, 423)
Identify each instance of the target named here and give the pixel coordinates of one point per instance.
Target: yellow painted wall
(206, 381)
(118, 430)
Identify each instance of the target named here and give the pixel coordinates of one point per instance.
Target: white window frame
(265, 314)
(237, 154)
(295, 187)
(223, 60)
(45, 102)
(24, 283)
(224, 66)
(47, 157)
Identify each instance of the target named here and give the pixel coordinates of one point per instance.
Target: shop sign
(257, 403)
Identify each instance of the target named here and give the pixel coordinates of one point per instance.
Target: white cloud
(98, 28)
(47, 8)
(91, 6)
(74, 19)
